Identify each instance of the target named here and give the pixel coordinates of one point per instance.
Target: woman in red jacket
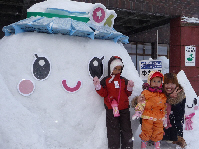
(116, 89)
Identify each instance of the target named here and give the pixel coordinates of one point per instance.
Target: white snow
(190, 94)
(51, 118)
(165, 64)
(190, 20)
(61, 4)
(18, 125)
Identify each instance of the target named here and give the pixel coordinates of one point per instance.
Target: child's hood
(110, 62)
(154, 74)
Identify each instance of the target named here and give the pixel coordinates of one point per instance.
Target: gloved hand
(165, 122)
(137, 115)
(96, 83)
(130, 85)
(168, 111)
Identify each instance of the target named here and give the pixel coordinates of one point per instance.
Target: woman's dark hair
(171, 78)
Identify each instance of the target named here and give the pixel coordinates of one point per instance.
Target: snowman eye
(41, 68)
(195, 101)
(96, 67)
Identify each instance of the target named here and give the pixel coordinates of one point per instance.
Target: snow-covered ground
(51, 117)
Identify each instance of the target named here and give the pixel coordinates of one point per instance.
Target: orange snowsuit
(153, 116)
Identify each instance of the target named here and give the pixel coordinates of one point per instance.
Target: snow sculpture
(51, 118)
(191, 100)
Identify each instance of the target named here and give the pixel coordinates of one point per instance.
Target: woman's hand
(175, 92)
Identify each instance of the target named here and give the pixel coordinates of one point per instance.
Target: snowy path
(164, 145)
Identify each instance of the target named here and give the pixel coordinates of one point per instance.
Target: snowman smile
(71, 89)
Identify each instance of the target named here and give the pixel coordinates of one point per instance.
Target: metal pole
(136, 55)
(157, 44)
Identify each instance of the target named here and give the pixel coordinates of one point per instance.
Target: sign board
(100, 16)
(146, 66)
(190, 54)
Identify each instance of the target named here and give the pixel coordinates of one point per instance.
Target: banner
(146, 66)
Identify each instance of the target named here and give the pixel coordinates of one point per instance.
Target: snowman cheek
(25, 87)
(196, 108)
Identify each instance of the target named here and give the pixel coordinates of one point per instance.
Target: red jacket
(110, 92)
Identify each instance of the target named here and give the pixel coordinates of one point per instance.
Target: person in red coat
(116, 89)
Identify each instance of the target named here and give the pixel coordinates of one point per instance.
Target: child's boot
(157, 145)
(143, 144)
(181, 142)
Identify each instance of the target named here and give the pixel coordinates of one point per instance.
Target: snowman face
(193, 105)
(55, 71)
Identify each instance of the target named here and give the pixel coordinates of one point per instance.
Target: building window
(143, 51)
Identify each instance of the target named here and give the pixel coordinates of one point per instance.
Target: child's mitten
(96, 83)
(137, 115)
(130, 85)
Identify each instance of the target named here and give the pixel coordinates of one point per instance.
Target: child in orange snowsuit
(154, 110)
